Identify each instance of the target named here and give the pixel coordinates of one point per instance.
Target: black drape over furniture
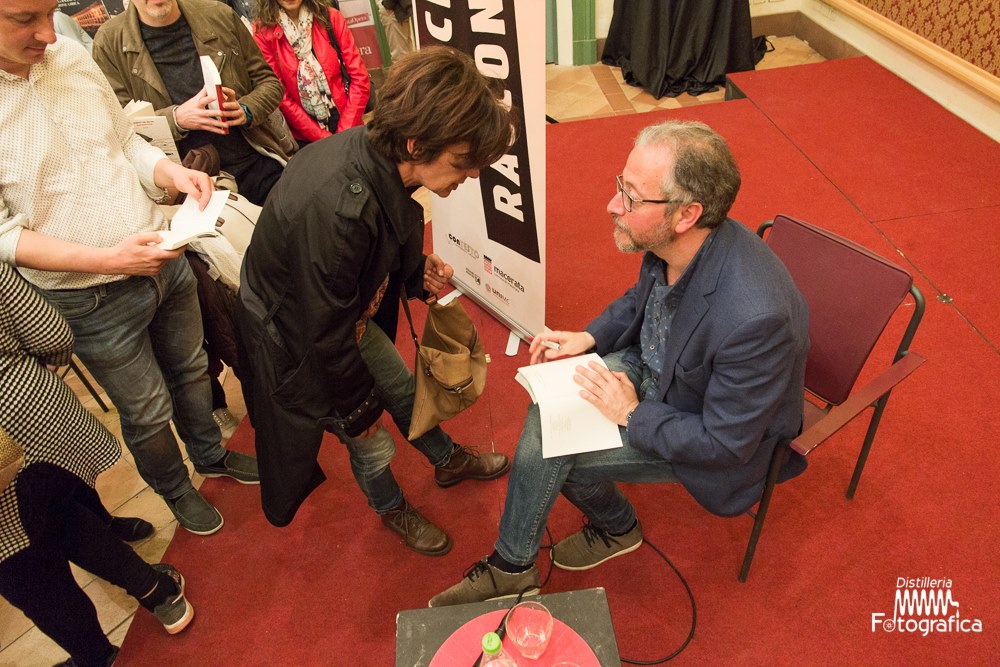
(674, 46)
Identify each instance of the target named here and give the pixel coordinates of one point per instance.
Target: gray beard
(629, 244)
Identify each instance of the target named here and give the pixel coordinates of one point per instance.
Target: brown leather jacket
(217, 32)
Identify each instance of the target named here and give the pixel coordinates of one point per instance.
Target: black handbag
(345, 76)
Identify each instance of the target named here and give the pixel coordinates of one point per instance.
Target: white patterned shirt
(71, 165)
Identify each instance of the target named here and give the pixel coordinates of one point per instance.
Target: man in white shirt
(78, 218)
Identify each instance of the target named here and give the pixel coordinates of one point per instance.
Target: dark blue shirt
(659, 314)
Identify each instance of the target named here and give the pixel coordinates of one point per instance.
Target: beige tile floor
(571, 93)
(596, 91)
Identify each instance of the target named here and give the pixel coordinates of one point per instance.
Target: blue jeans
(370, 457)
(141, 338)
(587, 480)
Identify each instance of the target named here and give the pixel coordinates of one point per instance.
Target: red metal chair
(852, 294)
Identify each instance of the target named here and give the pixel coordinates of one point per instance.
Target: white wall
(765, 7)
(602, 17)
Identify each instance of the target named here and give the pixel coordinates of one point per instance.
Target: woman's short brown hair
(266, 11)
(437, 97)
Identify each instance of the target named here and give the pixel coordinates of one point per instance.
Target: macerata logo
(507, 278)
(472, 274)
(487, 265)
(465, 247)
(924, 606)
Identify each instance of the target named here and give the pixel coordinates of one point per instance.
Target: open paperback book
(570, 425)
(152, 128)
(213, 84)
(189, 223)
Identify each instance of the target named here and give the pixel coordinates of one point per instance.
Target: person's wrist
(249, 115)
(177, 123)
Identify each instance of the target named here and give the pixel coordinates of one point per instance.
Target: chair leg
(777, 463)
(867, 446)
(86, 383)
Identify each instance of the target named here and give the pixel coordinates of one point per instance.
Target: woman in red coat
(294, 36)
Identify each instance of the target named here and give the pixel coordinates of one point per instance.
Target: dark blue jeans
(142, 339)
(587, 480)
(370, 457)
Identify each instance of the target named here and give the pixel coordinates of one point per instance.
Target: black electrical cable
(694, 613)
(687, 588)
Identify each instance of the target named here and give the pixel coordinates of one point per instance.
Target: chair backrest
(852, 293)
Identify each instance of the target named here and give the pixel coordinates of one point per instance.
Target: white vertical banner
(492, 229)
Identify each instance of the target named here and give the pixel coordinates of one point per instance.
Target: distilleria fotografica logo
(925, 605)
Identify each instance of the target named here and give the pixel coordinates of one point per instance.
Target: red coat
(279, 55)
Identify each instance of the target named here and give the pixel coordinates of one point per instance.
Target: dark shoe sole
(445, 485)
(572, 568)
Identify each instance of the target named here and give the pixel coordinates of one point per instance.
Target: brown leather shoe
(468, 464)
(420, 534)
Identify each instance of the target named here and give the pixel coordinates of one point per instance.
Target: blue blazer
(732, 385)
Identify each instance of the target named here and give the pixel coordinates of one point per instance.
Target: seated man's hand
(436, 274)
(550, 345)
(610, 392)
(195, 114)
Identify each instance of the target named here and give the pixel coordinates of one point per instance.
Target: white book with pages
(570, 425)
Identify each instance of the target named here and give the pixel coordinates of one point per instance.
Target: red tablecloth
(465, 644)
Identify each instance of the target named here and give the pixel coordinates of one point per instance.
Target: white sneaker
(226, 421)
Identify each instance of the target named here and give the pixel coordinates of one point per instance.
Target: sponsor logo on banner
(463, 246)
(361, 21)
(475, 277)
(924, 606)
(487, 265)
(486, 30)
(498, 272)
(497, 294)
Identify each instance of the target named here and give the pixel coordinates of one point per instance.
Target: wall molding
(952, 65)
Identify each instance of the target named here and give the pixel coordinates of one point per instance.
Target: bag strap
(345, 76)
(409, 319)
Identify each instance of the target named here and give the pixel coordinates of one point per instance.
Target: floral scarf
(314, 91)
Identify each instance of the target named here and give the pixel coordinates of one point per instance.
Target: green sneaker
(592, 546)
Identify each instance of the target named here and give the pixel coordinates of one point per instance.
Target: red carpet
(325, 590)
(889, 148)
(957, 252)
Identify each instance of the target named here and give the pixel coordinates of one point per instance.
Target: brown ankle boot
(420, 534)
(468, 464)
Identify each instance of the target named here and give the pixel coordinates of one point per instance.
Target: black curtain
(674, 46)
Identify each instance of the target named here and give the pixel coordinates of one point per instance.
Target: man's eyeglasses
(629, 202)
